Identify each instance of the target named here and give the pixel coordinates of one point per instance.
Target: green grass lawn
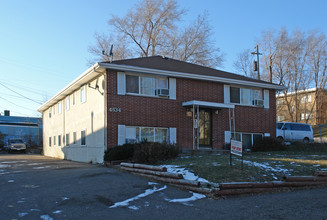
(298, 159)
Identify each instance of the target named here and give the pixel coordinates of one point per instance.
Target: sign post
(236, 149)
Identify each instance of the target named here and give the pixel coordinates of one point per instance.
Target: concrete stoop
(216, 190)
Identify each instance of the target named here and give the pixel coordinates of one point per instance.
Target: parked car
(15, 144)
(291, 131)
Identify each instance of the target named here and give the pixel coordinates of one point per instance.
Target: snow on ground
(186, 174)
(45, 217)
(142, 195)
(186, 201)
(265, 166)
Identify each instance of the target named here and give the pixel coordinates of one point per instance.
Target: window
(305, 116)
(305, 99)
(59, 107)
(137, 134)
(145, 85)
(279, 102)
(83, 94)
(300, 127)
(83, 138)
(234, 95)
(245, 96)
(74, 137)
(247, 139)
(67, 139)
(132, 84)
(49, 141)
(54, 140)
(67, 103)
(50, 109)
(74, 97)
(59, 140)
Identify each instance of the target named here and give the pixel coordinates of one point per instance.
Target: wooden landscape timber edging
(225, 189)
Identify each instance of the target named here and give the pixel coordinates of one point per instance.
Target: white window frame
(140, 130)
(74, 137)
(50, 110)
(67, 103)
(59, 107)
(67, 139)
(83, 94)
(59, 140)
(74, 97)
(252, 98)
(252, 135)
(155, 80)
(84, 137)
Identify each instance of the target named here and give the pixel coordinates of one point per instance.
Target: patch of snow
(37, 168)
(265, 166)
(4, 166)
(64, 198)
(184, 157)
(146, 193)
(35, 210)
(57, 212)
(15, 161)
(22, 214)
(146, 204)
(34, 164)
(133, 207)
(46, 217)
(11, 181)
(186, 174)
(185, 201)
(316, 165)
(152, 183)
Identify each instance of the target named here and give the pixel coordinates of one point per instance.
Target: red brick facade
(163, 112)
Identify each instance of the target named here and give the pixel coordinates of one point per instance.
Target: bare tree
(244, 64)
(296, 60)
(151, 28)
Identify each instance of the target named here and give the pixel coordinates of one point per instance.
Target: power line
(16, 96)
(20, 94)
(24, 107)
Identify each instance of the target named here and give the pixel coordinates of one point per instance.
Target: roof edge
(191, 76)
(80, 78)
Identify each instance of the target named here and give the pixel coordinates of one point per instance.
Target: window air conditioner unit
(258, 102)
(163, 92)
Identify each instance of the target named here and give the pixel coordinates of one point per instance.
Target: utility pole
(256, 64)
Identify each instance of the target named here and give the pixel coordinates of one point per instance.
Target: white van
(291, 131)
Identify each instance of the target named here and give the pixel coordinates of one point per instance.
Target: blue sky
(43, 43)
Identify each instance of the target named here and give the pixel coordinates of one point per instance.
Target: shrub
(307, 147)
(268, 144)
(123, 152)
(150, 152)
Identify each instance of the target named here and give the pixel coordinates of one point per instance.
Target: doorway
(205, 128)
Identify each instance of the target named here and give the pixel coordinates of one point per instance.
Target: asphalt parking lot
(38, 187)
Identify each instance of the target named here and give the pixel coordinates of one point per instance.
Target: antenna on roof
(110, 56)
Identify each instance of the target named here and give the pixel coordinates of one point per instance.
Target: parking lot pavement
(38, 187)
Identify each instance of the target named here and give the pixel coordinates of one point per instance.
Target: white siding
(172, 88)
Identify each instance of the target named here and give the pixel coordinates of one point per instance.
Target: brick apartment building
(306, 106)
(158, 99)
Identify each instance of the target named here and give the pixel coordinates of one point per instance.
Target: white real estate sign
(236, 148)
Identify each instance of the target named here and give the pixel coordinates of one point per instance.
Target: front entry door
(204, 128)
